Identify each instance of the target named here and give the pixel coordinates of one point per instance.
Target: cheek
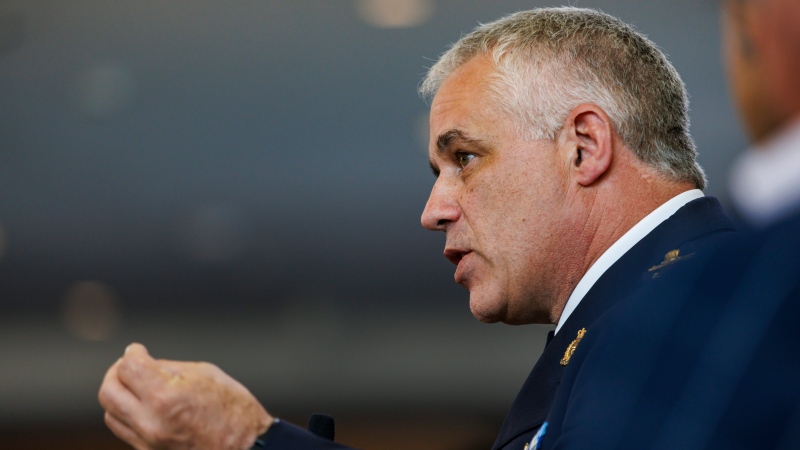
(511, 238)
(477, 199)
(486, 228)
(513, 210)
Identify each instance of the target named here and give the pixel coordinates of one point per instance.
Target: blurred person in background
(566, 181)
(715, 363)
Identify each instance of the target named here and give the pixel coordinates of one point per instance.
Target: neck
(611, 209)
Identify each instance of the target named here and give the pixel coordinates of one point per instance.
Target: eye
(464, 158)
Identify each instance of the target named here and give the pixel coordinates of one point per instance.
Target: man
(566, 181)
(715, 364)
(546, 133)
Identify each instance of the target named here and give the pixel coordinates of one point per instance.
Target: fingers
(120, 405)
(124, 432)
(189, 371)
(177, 368)
(175, 404)
(140, 373)
(115, 396)
(136, 348)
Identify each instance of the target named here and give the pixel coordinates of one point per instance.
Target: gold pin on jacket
(572, 347)
(671, 257)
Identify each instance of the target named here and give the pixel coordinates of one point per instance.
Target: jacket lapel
(624, 277)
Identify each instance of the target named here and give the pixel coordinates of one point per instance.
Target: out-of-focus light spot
(91, 311)
(422, 131)
(104, 89)
(395, 13)
(215, 234)
(3, 241)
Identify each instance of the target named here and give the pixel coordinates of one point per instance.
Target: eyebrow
(451, 138)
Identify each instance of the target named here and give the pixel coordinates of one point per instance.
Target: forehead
(466, 88)
(464, 105)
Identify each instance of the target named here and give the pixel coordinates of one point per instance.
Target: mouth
(456, 257)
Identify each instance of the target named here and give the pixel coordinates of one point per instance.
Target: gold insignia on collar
(671, 257)
(572, 347)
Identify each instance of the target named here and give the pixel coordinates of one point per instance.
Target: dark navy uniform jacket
(688, 234)
(708, 359)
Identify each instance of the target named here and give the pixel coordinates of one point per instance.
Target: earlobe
(589, 136)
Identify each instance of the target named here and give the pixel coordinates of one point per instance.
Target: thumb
(139, 371)
(136, 348)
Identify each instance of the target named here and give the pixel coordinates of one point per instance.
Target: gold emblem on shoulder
(572, 347)
(671, 257)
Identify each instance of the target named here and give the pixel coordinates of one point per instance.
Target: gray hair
(550, 60)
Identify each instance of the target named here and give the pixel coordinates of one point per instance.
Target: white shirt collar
(623, 244)
(765, 181)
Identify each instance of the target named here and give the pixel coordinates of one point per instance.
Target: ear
(587, 137)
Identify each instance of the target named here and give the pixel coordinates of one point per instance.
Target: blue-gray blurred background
(241, 182)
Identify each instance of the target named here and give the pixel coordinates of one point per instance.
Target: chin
(487, 311)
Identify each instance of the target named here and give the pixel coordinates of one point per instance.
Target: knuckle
(107, 397)
(126, 368)
(160, 401)
(182, 415)
(151, 432)
(208, 367)
(103, 396)
(211, 371)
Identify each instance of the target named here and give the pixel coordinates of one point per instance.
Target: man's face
(757, 37)
(501, 200)
(746, 76)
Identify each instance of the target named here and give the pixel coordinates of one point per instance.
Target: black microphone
(321, 425)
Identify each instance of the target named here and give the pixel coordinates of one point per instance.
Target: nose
(441, 209)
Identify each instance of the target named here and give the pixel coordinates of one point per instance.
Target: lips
(457, 257)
